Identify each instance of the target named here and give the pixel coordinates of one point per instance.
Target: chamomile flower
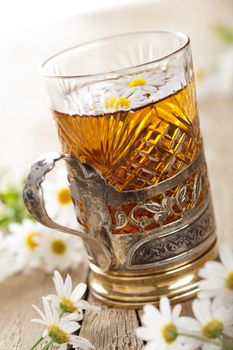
(212, 320)
(23, 243)
(114, 100)
(59, 330)
(60, 251)
(69, 301)
(58, 200)
(218, 277)
(146, 82)
(161, 327)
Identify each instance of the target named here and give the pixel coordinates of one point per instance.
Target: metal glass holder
(173, 230)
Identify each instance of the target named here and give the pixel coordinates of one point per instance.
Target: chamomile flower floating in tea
(218, 277)
(146, 82)
(59, 329)
(60, 251)
(24, 241)
(68, 300)
(116, 100)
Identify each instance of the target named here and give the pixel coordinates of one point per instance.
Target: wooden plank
(17, 294)
(187, 308)
(111, 329)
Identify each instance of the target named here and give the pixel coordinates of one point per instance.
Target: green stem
(47, 345)
(36, 343)
(61, 314)
(203, 339)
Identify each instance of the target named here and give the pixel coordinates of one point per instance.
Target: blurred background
(32, 31)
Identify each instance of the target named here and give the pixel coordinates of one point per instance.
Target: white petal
(52, 297)
(145, 333)
(69, 317)
(58, 282)
(154, 345)
(44, 333)
(78, 315)
(190, 343)
(222, 313)
(40, 313)
(225, 299)
(151, 315)
(208, 346)
(78, 291)
(165, 309)
(201, 310)
(212, 284)
(84, 305)
(176, 312)
(71, 327)
(212, 269)
(37, 320)
(68, 286)
(209, 293)
(81, 342)
(150, 89)
(185, 323)
(226, 255)
(48, 311)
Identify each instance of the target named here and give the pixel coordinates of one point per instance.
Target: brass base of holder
(133, 290)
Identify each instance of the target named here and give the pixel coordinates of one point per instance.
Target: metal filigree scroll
(167, 207)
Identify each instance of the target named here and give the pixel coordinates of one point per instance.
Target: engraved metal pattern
(181, 241)
(170, 206)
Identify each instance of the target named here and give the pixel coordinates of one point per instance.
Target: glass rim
(119, 71)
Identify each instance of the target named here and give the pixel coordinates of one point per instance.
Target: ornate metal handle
(34, 201)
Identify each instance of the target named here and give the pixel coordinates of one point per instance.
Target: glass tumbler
(126, 115)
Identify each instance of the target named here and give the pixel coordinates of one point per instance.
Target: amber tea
(135, 148)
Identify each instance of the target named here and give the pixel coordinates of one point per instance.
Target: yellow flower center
(169, 333)
(136, 82)
(212, 329)
(229, 280)
(57, 334)
(199, 74)
(29, 240)
(116, 102)
(67, 305)
(58, 247)
(63, 196)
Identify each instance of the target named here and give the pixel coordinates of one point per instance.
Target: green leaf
(4, 222)
(224, 32)
(13, 208)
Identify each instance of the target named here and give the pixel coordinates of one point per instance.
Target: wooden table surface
(113, 329)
